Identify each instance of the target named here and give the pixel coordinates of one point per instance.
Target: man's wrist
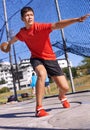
(79, 19)
(8, 43)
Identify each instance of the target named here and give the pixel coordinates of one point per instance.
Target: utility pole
(65, 48)
(17, 73)
(8, 38)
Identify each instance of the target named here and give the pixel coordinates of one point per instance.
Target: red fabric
(40, 112)
(38, 41)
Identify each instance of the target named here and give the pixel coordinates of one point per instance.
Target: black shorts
(52, 66)
(46, 84)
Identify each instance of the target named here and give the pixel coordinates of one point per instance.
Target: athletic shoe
(40, 112)
(65, 103)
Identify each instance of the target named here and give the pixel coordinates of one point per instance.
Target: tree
(4, 90)
(2, 81)
(85, 66)
(74, 72)
(86, 62)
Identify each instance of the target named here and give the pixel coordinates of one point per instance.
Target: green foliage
(74, 72)
(85, 66)
(2, 81)
(86, 63)
(66, 72)
(4, 90)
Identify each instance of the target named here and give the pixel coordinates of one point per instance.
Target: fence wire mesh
(77, 36)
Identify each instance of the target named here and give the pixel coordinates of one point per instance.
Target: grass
(80, 83)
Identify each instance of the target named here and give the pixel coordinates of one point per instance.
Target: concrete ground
(21, 115)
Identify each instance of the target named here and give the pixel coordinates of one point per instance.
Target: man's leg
(48, 89)
(63, 88)
(33, 89)
(45, 89)
(41, 76)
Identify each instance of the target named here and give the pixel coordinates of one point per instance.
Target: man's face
(28, 18)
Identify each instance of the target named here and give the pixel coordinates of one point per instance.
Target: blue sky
(45, 11)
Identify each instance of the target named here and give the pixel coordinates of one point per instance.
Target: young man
(43, 59)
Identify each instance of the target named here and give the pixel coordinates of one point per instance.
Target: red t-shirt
(38, 41)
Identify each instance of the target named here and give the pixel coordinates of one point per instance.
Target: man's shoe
(40, 112)
(65, 103)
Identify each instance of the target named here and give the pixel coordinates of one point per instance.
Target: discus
(4, 47)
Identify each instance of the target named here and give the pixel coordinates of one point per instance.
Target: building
(24, 73)
(5, 74)
(63, 63)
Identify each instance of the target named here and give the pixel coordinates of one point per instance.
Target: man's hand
(81, 19)
(5, 47)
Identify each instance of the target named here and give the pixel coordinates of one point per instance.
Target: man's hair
(25, 10)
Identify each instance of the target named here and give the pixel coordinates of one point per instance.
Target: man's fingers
(4, 47)
(87, 14)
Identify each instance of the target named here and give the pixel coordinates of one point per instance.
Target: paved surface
(21, 115)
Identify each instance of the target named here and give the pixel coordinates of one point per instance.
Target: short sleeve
(19, 35)
(44, 26)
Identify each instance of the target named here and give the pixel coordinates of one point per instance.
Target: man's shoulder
(41, 26)
(40, 23)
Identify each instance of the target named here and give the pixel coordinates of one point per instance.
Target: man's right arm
(6, 46)
(13, 40)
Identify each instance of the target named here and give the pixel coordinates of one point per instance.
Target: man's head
(24, 10)
(27, 15)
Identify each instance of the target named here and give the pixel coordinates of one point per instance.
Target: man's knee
(66, 88)
(41, 75)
